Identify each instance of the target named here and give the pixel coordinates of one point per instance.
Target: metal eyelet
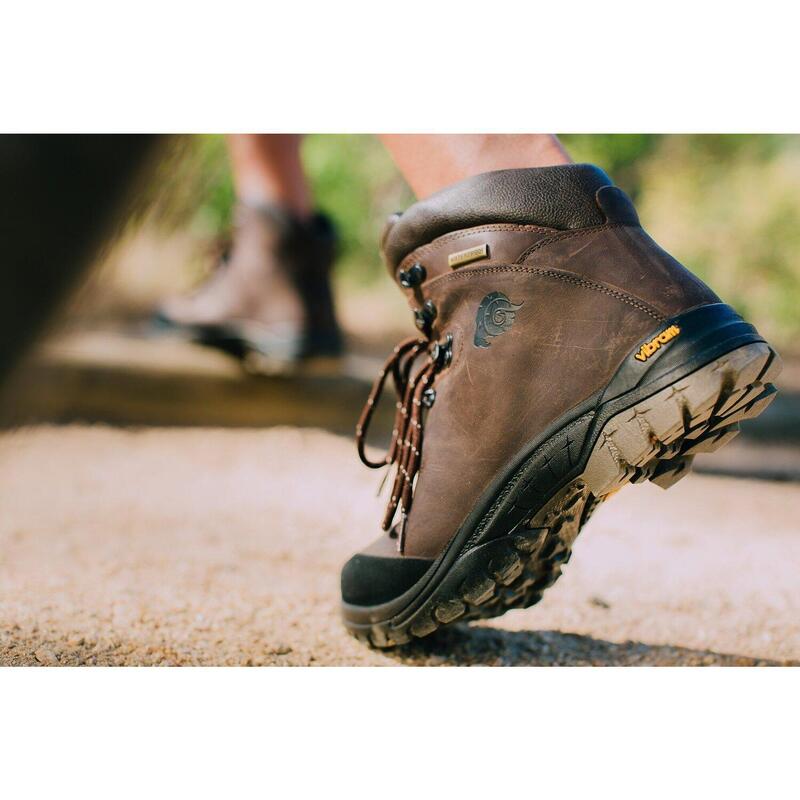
(448, 350)
(423, 317)
(442, 351)
(413, 276)
(429, 397)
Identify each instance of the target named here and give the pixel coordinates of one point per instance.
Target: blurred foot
(562, 355)
(270, 301)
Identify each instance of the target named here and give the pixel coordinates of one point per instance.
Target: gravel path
(205, 546)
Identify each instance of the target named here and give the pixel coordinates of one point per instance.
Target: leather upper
(585, 283)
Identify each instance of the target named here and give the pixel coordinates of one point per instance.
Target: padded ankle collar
(561, 197)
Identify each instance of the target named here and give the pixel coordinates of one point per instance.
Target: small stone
(46, 657)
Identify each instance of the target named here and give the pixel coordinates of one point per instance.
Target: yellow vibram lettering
(657, 342)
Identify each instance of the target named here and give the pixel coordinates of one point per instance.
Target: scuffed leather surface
(567, 247)
(627, 259)
(561, 197)
(566, 342)
(588, 296)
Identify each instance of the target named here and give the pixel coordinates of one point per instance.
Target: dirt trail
(204, 546)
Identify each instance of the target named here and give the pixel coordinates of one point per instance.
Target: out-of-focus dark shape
(60, 196)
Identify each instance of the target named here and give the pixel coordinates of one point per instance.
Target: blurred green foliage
(356, 182)
(728, 206)
(621, 156)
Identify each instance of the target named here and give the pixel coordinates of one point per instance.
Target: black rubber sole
(648, 433)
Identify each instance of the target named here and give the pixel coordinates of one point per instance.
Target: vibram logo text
(656, 343)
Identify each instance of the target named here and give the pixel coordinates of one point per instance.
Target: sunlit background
(725, 205)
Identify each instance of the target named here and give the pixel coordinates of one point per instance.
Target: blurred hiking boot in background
(269, 301)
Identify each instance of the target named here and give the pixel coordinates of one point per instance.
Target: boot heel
(656, 438)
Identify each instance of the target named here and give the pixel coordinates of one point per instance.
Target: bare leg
(267, 170)
(430, 162)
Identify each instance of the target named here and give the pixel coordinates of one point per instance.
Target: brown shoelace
(413, 395)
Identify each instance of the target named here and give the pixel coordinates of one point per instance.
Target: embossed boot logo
(495, 316)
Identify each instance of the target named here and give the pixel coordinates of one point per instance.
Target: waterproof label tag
(467, 256)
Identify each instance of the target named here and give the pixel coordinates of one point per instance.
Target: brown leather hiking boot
(563, 354)
(270, 301)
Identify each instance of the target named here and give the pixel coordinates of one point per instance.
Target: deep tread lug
(478, 590)
(506, 567)
(423, 626)
(449, 610)
(528, 542)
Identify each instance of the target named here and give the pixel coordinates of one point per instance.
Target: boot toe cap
(369, 580)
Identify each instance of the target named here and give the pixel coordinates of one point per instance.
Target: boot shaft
(569, 219)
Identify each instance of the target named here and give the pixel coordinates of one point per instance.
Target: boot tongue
(561, 197)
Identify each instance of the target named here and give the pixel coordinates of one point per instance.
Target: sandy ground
(204, 546)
